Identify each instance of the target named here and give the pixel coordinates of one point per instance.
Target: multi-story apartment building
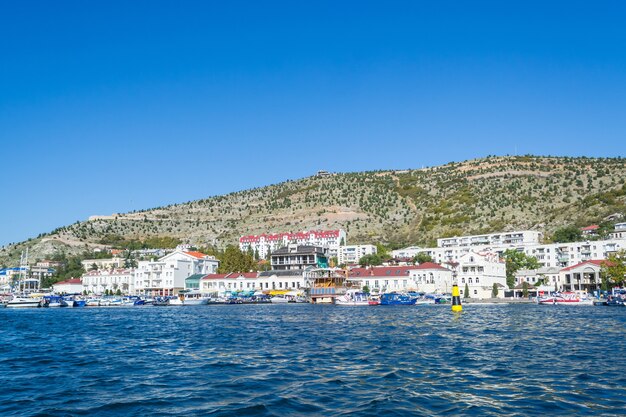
(112, 280)
(167, 275)
(480, 270)
(106, 263)
(619, 232)
(351, 254)
(524, 237)
(265, 244)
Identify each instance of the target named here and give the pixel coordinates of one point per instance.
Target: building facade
(106, 263)
(350, 255)
(480, 271)
(265, 244)
(298, 257)
(267, 281)
(111, 280)
(524, 237)
(167, 275)
(70, 286)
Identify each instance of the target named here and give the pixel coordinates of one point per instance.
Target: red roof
(597, 262)
(429, 265)
(198, 255)
(317, 234)
(231, 275)
(73, 281)
(592, 227)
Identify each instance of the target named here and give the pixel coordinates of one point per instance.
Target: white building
(70, 286)
(99, 281)
(406, 253)
(351, 254)
(384, 278)
(584, 276)
(252, 281)
(480, 270)
(167, 275)
(524, 237)
(106, 263)
(548, 255)
(265, 244)
(433, 278)
(619, 232)
(549, 275)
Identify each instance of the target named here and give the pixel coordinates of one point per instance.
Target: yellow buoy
(456, 299)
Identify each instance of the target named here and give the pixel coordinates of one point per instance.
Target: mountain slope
(394, 207)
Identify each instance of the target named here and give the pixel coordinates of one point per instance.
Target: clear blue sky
(113, 106)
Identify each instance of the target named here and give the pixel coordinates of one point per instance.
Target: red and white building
(265, 244)
(251, 281)
(99, 281)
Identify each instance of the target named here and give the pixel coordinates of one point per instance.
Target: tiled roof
(597, 262)
(198, 255)
(73, 281)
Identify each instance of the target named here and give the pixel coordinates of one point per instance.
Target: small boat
(23, 302)
(279, 299)
(565, 298)
(191, 298)
(161, 301)
(92, 302)
(373, 300)
(353, 298)
(396, 299)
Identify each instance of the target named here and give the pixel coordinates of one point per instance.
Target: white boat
(280, 299)
(353, 298)
(23, 302)
(92, 302)
(565, 298)
(192, 298)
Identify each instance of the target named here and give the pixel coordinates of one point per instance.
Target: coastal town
(477, 264)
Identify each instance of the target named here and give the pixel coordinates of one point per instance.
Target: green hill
(392, 207)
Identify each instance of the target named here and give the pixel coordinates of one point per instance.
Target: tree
(118, 292)
(382, 251)
(515, 261)
(567, 234)
(422, 257)
(614, 269)
(466, 293)
(494, 291)
(233, 260)
(370, 260)
(366, 289)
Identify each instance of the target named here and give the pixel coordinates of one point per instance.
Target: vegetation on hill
(394, 208)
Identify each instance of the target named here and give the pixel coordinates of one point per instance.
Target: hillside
(394, 207)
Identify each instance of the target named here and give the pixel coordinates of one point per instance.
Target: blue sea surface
(279, 360)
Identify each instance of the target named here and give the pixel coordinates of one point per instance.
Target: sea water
(278, 360)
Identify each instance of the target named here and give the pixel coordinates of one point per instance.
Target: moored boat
(565, 298)
(396, 299)
(353, 298)
(23, 302)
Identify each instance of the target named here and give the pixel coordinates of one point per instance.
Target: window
(476, 280)
(475, 292)
(462, 280)
(469, 280)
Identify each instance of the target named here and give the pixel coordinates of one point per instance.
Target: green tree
(567, 234)
(370, 260)
(233, 260)
(494, 291)
(525, 289)
(422, 257)
(466, 293)
(515, 261)
(118, 292)
(366, 289)
(382, 251)
(613, 270)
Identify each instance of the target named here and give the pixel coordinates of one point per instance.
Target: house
(430, 277)
(590, 230)
(383, 278)
(548, 275)
(479, 271)
(70, 286)
(266, 281)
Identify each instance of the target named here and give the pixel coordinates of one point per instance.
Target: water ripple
(276, 360)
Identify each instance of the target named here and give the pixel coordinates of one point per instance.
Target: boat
(92, 302)
(161, 301)
(190, 298)
(55, 301)
(396, 299)
(565, 298)
(23, 302)
(373, 300)
(353, 298)
(280, 299)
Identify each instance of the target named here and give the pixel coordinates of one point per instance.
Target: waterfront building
(549, 275)
(430, 277)
(70, 286)
(265, 244)
(350, 255)
(252, 281)
(295, 257)
(406, 253)
(584, 276)
(100, 281)
(166, 276)
(480, 270)
(106, 263)
(383, 278)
